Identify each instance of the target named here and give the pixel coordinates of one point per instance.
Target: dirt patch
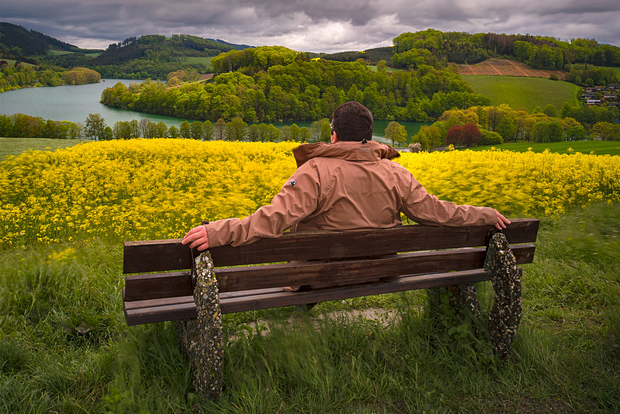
(504, 67)
(386, 317)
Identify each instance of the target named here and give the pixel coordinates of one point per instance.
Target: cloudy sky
(310, 25)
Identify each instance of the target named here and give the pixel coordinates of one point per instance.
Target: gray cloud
(311, 25)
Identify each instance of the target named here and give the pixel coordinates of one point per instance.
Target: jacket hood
(347, 150)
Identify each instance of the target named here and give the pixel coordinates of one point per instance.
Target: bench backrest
(319, 258)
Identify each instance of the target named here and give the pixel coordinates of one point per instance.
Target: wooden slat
(144, 287)
(185, 308)
(154, 286)
(346, 272)
(166, 255)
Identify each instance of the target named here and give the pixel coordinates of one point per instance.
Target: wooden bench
(344, 264)
(355, 263)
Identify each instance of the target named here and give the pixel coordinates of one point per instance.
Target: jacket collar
(346, 150)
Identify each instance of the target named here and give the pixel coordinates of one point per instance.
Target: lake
(74, 103)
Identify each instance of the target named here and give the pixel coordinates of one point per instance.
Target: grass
(199, 59)
(64, 346)
(522, 92)
(15, 146)
(585, 147)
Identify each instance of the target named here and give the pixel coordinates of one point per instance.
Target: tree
(196, 131)
(555, 132)
(606, 131)
(274, 134)
(208, 130)
(429, 137)
(143, 124)
(253, 133)
(94, 126)
(107, 134)
(455, 136)
(507, 129)
(304, 135)
(162, 130)
(539, 132)
(173, 132)
(576, 133)
(220, 129)
(396, 132)
(295, 132)
(471, 134)
(550, 110)
(151, 130)
(326, 131)
(285, 133)
(236, 130)
(184, 130)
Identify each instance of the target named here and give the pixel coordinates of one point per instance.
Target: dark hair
(352, 121)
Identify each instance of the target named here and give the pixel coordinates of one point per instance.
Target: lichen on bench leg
(202, 338)
(505, 315)
(462, 298)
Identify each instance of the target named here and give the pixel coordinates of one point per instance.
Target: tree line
(436, 48)
(235, 130)
(302, 89)
(21, 75)
(491, 125)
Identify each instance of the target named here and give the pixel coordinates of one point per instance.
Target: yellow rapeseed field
(159, 188)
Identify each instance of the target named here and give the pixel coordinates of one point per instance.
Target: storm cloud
(311, 25)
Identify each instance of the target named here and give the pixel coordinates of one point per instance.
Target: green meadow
(64, 345)
(523, 92)
(566, 147)
(15, 146)
(198, 59)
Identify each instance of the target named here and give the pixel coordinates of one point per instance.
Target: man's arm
(297, 200)
(425, 208)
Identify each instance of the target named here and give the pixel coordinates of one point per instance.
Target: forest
(25, 75)
(287, 86)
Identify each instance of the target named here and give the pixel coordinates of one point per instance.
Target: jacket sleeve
(425, 208)
(297, 200)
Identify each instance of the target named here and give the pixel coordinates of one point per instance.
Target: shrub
(491, 138)
(415, 147)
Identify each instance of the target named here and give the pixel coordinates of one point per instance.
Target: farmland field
(523, 92)
(15, 146)
(141, 189)
(204, 60)
(504, 67)
(65, 347)
(566, 147)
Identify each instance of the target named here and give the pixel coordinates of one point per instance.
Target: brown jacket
(346, 186)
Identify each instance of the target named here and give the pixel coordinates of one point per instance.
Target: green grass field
(64, 345)
(523, 93)
(15, 146)
(585, 147)
(204, 60)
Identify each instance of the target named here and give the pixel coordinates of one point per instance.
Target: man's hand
(501, 221)
(198, 238)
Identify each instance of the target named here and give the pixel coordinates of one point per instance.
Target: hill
(23, 42)
(523, 92)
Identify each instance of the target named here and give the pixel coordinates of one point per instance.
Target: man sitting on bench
(350, 184)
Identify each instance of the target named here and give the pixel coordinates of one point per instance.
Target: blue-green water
(74, 103)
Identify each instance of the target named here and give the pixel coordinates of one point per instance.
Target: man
(350, 184)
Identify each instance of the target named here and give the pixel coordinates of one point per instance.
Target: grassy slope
(64, 346)
(15, 146)
(522, 92)
(585, 147)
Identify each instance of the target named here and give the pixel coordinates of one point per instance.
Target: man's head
(352, 121)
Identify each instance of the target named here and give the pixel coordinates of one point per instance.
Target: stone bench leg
(202, 338)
